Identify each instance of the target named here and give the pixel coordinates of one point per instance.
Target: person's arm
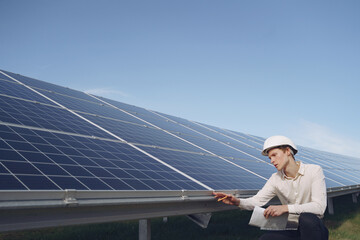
(317, 205)
(260, 199)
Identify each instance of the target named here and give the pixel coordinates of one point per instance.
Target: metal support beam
(330, 206)
(20, 210)
(144, 229)
(38, 209)
(201, 219)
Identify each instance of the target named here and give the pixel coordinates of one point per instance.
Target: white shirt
(304, 193)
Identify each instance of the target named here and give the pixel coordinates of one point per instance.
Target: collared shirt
(284, 176)
(304, 193)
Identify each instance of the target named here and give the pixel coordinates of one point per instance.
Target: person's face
(278, 158)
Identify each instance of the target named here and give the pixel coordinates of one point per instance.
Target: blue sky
(258, 67)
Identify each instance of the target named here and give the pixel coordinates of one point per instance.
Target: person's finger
(218, 194)
(267, 212)
(223, 198)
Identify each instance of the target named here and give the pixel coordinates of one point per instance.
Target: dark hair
(284, 147)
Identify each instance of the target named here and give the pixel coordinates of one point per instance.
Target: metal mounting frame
(36, 209)
(21, 210)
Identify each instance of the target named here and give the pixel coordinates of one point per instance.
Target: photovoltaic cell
(9, 182)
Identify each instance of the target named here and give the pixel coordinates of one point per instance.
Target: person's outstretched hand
(226, 198)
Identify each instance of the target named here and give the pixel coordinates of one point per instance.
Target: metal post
(144, 229)
(330, 206)
(201, 219)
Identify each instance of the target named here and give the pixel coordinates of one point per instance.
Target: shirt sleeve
(261, 198)
(318, 202)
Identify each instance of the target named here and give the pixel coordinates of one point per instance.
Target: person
(300, 188)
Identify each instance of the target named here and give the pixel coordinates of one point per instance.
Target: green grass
(223, 225)
(345, 224)
(229, 225)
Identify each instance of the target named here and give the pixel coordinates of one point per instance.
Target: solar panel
(210, 170)
(63, 161)
(56, 138)
(49, 87)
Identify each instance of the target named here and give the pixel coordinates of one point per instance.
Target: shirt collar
(301, 168)
(301, 171)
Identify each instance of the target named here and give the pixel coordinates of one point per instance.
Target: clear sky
(258, 67)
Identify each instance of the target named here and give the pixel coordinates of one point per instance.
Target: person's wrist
(286, 209)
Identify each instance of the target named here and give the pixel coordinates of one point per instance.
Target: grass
(345, 223)
(230, 225)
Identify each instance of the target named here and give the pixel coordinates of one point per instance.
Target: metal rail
(21, 210)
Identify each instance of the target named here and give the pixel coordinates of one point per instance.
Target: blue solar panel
(11, 88)
(149, 116)
(45, 146)
(111, 118)
(37, 84)
(88, 107)
(61, 159)
(333, 169)
(210, 170)
(199, 140)
(238, 141)
(142, 134)
(335, 177)
(32, 114)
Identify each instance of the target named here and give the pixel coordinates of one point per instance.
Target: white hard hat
(277, 141)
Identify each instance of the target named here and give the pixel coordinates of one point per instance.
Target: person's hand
(226, 198)
(275, 211)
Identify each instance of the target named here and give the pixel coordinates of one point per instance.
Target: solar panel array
(55, 138)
